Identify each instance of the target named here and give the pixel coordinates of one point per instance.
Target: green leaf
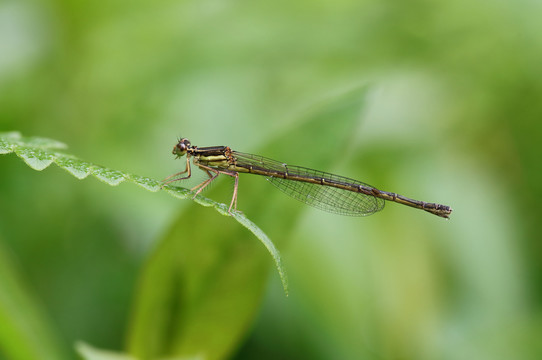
(39, 153)
(88, 352)
(201, 288)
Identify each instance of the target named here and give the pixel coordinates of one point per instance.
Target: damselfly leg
(200, 187)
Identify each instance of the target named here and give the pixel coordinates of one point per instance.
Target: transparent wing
(324, 197)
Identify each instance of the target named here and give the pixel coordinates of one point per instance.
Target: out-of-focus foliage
(450, 113)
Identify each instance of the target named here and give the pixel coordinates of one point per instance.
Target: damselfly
(329, 192)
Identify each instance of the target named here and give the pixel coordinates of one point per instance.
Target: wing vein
(325, 197)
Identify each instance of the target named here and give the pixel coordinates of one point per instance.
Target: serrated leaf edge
(17, 144)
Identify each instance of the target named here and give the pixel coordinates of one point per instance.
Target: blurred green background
(438, 101)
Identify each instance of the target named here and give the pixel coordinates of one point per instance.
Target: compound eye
(181, 148)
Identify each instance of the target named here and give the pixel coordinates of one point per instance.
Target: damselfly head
(182, 146)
